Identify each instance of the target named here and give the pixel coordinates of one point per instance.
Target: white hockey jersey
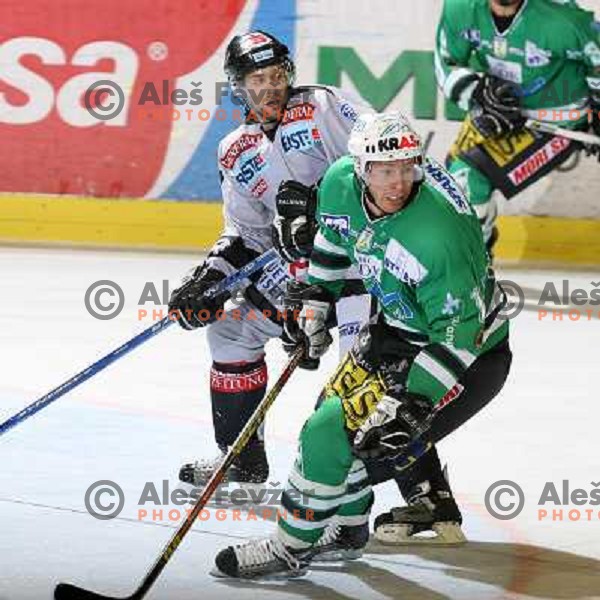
(313, 134)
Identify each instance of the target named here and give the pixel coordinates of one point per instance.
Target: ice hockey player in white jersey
(290, 137)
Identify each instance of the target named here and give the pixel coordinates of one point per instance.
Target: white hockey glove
(313, 322)
(314, 305)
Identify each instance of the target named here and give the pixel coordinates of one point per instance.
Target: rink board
(176, 226)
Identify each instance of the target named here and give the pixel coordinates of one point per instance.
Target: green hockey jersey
(426, 264)
(551, 51)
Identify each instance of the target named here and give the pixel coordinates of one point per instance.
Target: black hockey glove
(308, 308)
(496, 107)
(195, 308)
(394, 424)
(294, 227)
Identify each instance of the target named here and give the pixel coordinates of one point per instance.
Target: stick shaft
(226, 284)
(578, 136)
(65, 591)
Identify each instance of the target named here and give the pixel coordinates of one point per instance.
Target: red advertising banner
(50, 55)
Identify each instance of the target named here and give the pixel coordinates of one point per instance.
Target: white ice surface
(138, 420)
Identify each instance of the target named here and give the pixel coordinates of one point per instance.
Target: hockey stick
(577, 136)
(226, 284)
(66, 591)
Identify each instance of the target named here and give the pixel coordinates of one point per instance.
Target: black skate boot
(250, 467)
(431, 517)
(268, 558)
(341, 542)
(199, 472)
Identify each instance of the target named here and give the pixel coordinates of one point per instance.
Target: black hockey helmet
(255, 50)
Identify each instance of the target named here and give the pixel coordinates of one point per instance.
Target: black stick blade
(66, 591)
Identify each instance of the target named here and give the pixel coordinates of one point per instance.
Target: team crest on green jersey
(364, 240)
(500, 46)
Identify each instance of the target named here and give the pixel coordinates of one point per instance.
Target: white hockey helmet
(382, 137)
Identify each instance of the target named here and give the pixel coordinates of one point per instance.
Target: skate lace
(208, 465)
(330, 535)
(262, 552)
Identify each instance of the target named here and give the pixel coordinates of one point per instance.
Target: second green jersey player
(505, 61)
(436, 355)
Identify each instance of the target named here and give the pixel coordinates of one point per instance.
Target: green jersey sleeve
(590, 44)
(452, 299)
(453, 51)
(330, 263)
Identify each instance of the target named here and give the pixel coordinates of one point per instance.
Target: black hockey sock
(235, 390)
(426, 468)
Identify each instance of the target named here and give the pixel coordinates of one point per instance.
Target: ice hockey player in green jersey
(435, 355)
(505, 61)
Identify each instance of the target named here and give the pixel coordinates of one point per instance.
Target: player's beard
(270, 110)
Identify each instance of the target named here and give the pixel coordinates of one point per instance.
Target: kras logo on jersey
(535, 56)
(402, 264)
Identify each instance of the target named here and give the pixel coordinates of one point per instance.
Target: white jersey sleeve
(336, 117)
(244, 215)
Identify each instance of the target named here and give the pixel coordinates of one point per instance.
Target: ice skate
(267, 558)
(341, 542)
(431, 517)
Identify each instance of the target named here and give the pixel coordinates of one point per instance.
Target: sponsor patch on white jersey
(245, 142)
(347, 111)
(249, 169)
(299, 136)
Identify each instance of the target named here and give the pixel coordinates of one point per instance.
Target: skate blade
(442, 534)
(282, 576)
(337, 556)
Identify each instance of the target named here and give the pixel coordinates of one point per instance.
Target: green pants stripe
(327, 480)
